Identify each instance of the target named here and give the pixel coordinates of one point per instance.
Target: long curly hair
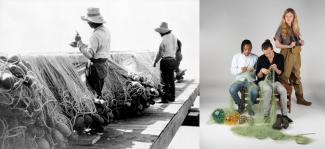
(285, 27)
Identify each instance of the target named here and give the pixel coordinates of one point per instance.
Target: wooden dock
(155, 128)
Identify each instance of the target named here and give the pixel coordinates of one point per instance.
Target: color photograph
(261, 77)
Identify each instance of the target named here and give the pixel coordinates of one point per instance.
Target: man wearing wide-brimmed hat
(167, 54)
(97, 51)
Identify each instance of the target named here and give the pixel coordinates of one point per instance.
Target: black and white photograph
(99, 74)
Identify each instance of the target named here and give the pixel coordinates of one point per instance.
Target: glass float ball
(218, 116)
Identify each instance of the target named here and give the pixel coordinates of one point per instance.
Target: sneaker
(278, 123)
(289, 119)
(285, 122)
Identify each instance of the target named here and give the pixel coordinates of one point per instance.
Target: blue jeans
(239, 85)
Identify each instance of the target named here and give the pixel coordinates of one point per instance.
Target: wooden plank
(155, 128)
(169, 132)
(85, 140)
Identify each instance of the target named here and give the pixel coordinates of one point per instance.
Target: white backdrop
(225, 23)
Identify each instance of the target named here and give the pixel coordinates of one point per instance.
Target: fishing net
(46, 96)
(257, 126)
(59, 75)
(28, 110)
(139, 63)
(126, 91)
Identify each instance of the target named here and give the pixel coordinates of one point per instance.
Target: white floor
(306, 120)
(187, 137)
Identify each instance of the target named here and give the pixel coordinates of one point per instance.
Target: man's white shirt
(240, 60)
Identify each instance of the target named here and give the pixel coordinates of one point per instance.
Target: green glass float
(219, 116)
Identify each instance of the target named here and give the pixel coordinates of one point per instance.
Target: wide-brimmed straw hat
(93, 15)
(163, 28)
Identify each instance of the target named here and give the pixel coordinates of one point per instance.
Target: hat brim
(162, 30)
(92, 19)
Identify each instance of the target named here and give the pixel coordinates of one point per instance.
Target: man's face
(289, 18)
(247, 49)
(91, 24)
(268, 52)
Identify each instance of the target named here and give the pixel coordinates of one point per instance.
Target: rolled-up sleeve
(89, 51)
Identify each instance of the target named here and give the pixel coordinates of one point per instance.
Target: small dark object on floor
(278, 123)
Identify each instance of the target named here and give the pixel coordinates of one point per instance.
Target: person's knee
(233, 90)
(282, 91)
(254, 91)
(267, 90)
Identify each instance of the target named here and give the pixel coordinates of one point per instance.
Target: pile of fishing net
(44, 99)
(255, 126)
(77, 103)
(29, 114)
(127, 93)
(140, 63)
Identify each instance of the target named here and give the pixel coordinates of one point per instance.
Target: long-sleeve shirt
(167, 47)
(99, 44)
(240, 60)
(263, 62)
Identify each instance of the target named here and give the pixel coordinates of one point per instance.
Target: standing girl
(288, 39)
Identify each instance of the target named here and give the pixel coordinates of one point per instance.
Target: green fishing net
(256, 126)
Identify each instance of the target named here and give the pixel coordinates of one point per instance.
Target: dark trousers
(179, 58)
(167, 67)
(95, 75)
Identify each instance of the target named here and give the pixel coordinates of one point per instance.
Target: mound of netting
(30, 115)
(128, 93)
(77, 102)
(44, 98)
(140, 63)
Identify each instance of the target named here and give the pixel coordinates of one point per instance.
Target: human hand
(302, 42)
(265, 71)
(77, 37)
(274, 66)
(293, 44)
(73, 44)
(243, 69)
(250, 69)
(89, 63)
